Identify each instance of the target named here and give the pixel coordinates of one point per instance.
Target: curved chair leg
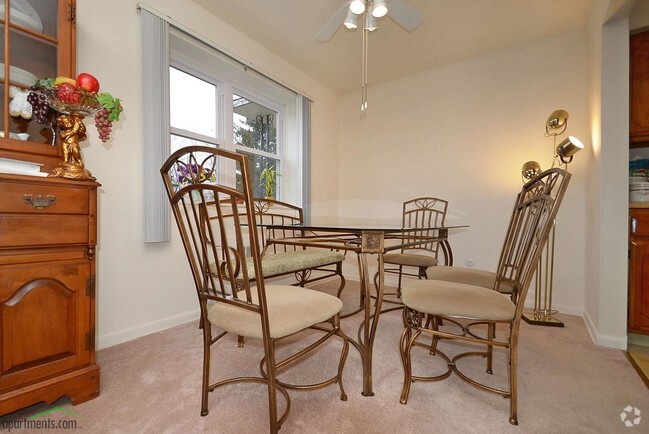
(343, 357)
(207, 341)
(399, 285)
(405, 346)
(339, 272)
(513, 404)
(491, 334)
(272, 387)
(437, 321)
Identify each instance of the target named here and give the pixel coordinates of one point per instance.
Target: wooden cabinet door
(639, 89)
(44, 320)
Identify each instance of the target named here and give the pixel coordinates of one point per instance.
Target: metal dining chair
(217, 225)
(549, 182)
(307, 265)
(418, 213)
(464, 305)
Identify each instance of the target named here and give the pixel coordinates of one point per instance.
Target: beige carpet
(566, 384)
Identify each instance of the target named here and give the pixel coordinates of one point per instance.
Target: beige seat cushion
(290, 309)
(276, 264)
(457, 299)
(409, 259)
(469, 276)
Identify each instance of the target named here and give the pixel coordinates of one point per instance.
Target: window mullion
(248, 150)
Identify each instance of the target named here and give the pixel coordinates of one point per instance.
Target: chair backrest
(275, 212)
(532, 219)
(217, 225)
(424, 212)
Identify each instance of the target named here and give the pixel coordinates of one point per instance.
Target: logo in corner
(630, 416)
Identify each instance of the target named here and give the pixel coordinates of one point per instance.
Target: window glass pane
(255, 126)
(192, 103)
(178, 142)
(262, 186)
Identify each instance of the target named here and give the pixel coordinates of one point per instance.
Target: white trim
(128, 334)
(560, 308)
(606, 341)
(225, 51)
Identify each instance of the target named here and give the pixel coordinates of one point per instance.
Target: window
(190, 86)
(193, 110)
(260, 121)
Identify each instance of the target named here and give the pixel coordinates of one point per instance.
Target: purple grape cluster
(104, 126)
(40, 109)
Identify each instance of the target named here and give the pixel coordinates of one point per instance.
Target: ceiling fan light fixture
(380, 9)
(351, 21)
(357, 7)
(370, 22)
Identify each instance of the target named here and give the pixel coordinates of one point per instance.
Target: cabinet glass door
(37, 40)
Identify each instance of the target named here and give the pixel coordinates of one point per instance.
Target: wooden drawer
(44, 230)
(639, 225)
(43, 198)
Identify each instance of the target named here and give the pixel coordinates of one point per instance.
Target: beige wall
(639, 18)
(144, 288)
(607, 192)
(462, 132)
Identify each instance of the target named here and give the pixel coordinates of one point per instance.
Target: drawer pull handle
(39, 202)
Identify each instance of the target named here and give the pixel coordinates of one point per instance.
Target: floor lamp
(542, 312)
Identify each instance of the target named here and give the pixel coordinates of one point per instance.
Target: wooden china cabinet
(639, 90)
(48, 226)
(639, 271)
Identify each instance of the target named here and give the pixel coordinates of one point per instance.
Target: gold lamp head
(530, 170)
(557, 123)
(568, 148)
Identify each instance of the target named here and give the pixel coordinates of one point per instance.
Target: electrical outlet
(468, 261)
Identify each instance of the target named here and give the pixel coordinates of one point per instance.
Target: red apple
(87, 82)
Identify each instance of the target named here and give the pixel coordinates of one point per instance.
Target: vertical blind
(155, 87)
(306, 158)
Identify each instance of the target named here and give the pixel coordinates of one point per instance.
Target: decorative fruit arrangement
(67, 95)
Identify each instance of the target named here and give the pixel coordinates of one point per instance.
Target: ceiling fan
(351, 10)
(367, 12)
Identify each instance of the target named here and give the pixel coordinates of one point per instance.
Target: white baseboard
(560, 308)
(619, 343)
(128, 334)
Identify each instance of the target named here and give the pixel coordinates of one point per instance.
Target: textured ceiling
(452, 30)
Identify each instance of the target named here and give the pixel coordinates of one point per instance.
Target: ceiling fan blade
(335, 22)
(405, 15)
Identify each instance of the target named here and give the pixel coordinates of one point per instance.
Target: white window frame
(277, 108)
(226, 88)
(158, 30)
(190, 69)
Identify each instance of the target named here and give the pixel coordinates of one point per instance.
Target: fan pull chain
(364, 72)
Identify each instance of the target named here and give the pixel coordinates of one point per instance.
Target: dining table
(365, 240)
